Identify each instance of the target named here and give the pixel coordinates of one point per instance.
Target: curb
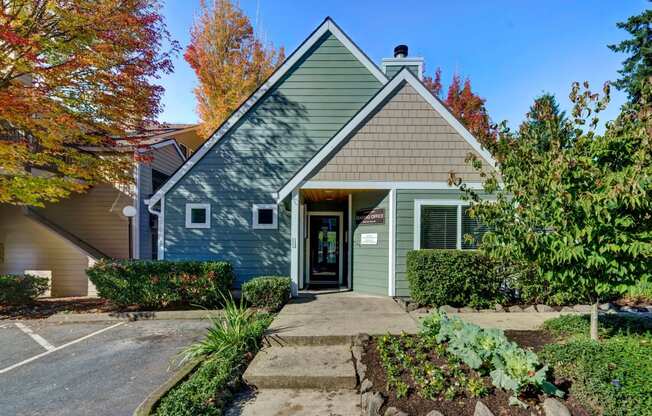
(146, 407)
(63, 318)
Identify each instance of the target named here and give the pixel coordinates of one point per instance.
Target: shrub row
(270, 292)
(157, 284)
(453, 277)
(20, 289)
(469, 278)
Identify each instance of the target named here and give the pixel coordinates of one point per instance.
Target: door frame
(339, 214)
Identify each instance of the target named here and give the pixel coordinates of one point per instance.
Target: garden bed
(460, 388)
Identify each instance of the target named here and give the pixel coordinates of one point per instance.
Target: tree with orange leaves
(73, 75)
(465, 105)
(229, 60)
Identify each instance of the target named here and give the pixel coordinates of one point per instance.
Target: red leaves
(465, 105)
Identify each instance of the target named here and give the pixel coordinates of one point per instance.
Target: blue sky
(511, 50)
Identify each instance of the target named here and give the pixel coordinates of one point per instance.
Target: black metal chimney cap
(400, 51)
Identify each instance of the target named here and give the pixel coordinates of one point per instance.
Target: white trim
(385, 185)
(418, 61)
(391, 285)
(405, 76)
(161, 233)
(418, 203)
(294, 243)
(303, 220)
(135, 226)
(341, 242)
(327, 26)
(349, 262)
(254, 217)
(190, 207)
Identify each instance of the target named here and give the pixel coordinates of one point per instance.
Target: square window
(198, 215)
(264, 216)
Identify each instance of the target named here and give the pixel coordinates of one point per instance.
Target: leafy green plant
(488, 350)
(224, 353)
(476, 387)
(21, 289)
(454, 277)
(157, 284)
(641, 292)
(270, 292)
(235, 328)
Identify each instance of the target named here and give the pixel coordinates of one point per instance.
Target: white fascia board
(168, 142)
(327, 26)
(386, 185)
(403, 76)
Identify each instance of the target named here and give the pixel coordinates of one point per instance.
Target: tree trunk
(594, 320)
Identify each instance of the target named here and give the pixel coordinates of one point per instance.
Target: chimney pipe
(401, 51)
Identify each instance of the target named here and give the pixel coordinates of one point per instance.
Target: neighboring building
(330, 172)
(62, 239)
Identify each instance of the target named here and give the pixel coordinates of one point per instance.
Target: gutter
(161, 223)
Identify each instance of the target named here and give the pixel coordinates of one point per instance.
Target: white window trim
(190, 207)
(254, 217)
(418, 203)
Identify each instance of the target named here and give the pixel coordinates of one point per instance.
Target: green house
(329, 173)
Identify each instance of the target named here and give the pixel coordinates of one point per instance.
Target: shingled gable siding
(406, 140)
(285, 129)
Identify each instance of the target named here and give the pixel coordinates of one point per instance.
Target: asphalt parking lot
(104, 368)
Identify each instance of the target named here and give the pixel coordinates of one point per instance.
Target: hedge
(270, 292)
(20, 289)
(453, 277)
(157, 284)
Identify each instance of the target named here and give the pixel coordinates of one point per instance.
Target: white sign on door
(369, 239)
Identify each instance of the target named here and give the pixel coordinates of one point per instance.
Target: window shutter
(472, 227)
(439, 227)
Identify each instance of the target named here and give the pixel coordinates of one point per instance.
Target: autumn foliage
(465, 105)
(73, 75)
(229, 60)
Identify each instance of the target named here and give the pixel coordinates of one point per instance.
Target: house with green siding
(329, 173)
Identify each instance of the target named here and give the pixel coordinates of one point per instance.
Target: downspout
(159, 237)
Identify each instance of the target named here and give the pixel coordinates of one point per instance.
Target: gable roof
(330, 148)
(327, 26)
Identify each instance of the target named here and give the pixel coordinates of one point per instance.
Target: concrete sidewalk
(336, 318)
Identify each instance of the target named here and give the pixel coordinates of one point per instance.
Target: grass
(612, 377)
(232, 340)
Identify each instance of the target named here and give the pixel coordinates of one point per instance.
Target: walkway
(308, 368)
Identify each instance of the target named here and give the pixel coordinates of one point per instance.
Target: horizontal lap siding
(405, 140)
(371, 262)
(281, 133)
(405, 227)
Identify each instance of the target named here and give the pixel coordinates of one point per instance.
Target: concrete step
(275, 402)
(327, 367)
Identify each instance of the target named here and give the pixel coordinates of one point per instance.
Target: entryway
(325, 248)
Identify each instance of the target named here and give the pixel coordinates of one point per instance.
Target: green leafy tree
(637, 68)
(581, 211)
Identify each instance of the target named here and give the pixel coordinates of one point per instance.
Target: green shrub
(641, 292)
(19, 289)
(611, 377)
(267, 291)
(156, 284)
(235, 333)
(454, 277)
(610, 325)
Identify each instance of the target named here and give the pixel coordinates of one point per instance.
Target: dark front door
(324, 249)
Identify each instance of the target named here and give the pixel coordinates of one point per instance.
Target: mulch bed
(43, 308)
(497, 400)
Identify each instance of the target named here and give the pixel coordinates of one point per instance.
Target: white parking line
(43, 354)
(36, 337)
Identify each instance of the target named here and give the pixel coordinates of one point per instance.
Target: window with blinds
(472, 227)
(439, 227)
